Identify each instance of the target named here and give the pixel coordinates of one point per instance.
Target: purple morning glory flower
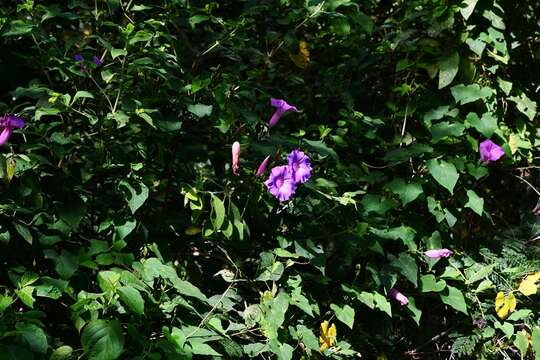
(281, 108)
(97, 61)
(489, 151)
(402, 299)
(300, 166)
(281, 183)
(438, 253)
(78, 57)
(9, 122)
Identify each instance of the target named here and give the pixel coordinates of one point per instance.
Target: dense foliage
(127, 232)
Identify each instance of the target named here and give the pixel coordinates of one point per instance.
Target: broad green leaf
(467, 8)
(34, 336)
(103, 340)
(406, 265)
(448, 69)
(25, 295)
(284, 352)
(62, 353)
(108, 280)
(444, 129)
(218, 212)
(465, 94)
(24, 232)
(536, 342)
(454, 298)
(344, 314)
(82, 94)
(444, 173)
(475, 202)
(200, 348)
(428, 283)
(487, 125)
(200, 110)
(136, 194)
(416, 313)
(132, 298)
(525, 105)
(522, 342)
(406, 192)
(118, 52)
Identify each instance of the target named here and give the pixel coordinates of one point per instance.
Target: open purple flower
(97, 61)
(78, 57)
(281, 108)
(399, 297)
(489, 151)
(262, 167)
(281, 183)
(9, 122)
(438, 253)
(300, 166)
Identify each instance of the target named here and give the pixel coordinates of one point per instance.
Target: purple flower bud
(9, 122)
(489, 151)
(281, 108)
(97, 61)
(300, 166)
(402, 299)
(262, 167)
(78, 57)
(235, 157)
(438, 253)
(281, 183)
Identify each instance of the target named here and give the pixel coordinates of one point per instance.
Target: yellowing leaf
(504, 304)
(302, 58)
(513, 143)
(193, 230)
(10, 169)
(528, 285)
(328, 335)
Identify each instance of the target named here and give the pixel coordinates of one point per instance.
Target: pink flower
(9, 122)
(235, 157)
(489, 151)
(262, 167)
(402, 299)
(438, 253)
(281, 108)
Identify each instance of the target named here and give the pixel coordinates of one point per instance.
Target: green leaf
(107, 75)
(136, 195)
(448, 69)
(108, 280)
(444, 129)
(454, 298)
(428, 283)
(103, 340)
(522, 343)
(444, 173)
(219, 212)
(25, 295)
(200, 110)
(487, 125)
(465, 94)
(82, 94)
(308, 337)
(24, 232)
(536, 342)
(525, 105)
(467, 8)
(118, 52)
(62, 353)
(406, 192)
(344, 314)
(34, 336)
(320, 147)
(475, 202)
(415, 312)
(284, 352)
(132, 298)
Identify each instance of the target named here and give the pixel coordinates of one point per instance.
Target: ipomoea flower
(281, 108)
(489, 151)
(235, 157)
(300, 166)
(402, 299)
(438, 253)
(262, 167)
(97, 61)
(78, 57)
(281, 183)
(9, 122)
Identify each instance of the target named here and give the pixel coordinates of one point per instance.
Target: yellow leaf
(513, 143)
(302, 58)
(328, 335)
(504, 305)
(193, 230)
(528, 285)
(10, 169)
